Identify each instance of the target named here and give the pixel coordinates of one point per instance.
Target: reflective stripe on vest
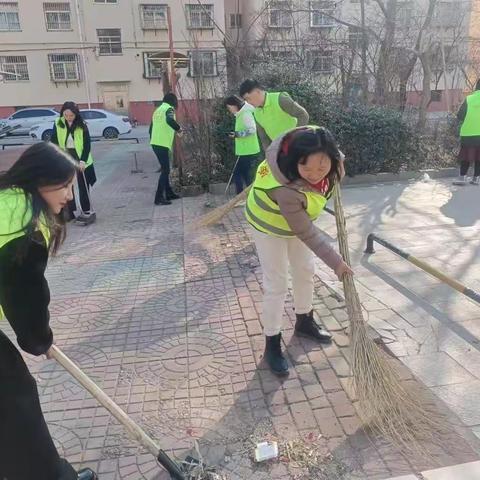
(77, 139)
(471, 125)
(162, 133)
(272, 118)
(16, 213)
(264, 214)
(248, 145)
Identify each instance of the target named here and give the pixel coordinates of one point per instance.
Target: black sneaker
(87, 474)
(274, 356)
(306, 326)
(162, 201)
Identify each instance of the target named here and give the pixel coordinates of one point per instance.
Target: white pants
(275, 254)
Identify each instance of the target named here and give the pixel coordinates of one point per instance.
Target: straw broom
(387, 405)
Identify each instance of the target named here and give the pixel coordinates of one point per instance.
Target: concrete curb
(367, 179)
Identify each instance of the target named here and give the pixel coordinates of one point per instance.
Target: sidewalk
(167, 324)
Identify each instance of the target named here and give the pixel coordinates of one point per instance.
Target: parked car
(23, 120)
(101, 123)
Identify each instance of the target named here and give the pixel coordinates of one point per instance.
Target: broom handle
(135, 430)
(231, 176)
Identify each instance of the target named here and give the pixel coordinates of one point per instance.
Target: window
(280, 15)
(57, 16)
(110, 41)
(235, 20)
(355, 37)
(154, 17)
(9, 20)
(64, 67)
(447, 14)
(92, 115)
(321, 14)
(321, 61)
(279, 55)
(203, 64)
(451, 54)
(105, 1)
(33, 113)
(153, 66)
(437, 95)
(404, 14)
(199, 16)
(14, 68)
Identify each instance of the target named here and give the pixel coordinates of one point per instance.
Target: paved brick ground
(167, 324)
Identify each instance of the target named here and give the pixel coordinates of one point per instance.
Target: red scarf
(321, 186)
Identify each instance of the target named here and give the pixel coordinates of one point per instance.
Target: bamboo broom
(387, 405)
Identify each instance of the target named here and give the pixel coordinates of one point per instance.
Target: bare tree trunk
(425, 59)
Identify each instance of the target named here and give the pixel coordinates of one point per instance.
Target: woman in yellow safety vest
(247, 146)
(70, 133)
(33, 192)
(162, 136)
(290, 191)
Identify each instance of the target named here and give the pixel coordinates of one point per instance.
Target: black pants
(27, 451)
(242, 175)
(83, 189)
(163, 188)
(465, 165)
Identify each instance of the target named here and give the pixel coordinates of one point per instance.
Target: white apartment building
(108, 53)
(325, 36)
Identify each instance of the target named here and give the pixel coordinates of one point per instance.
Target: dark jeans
(27, 451)
(242, 175)
(83, 189)
(163, 188)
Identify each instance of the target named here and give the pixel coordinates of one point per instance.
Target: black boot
(274, 356)
(172, 195)
(87, 474)
(162, 201)
(307, 327)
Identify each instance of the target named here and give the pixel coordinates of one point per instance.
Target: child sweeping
(290, 191)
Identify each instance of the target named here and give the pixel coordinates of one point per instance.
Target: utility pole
(364, 53)
(82, 53)
(173, 77)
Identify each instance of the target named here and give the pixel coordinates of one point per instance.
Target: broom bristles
(386, 403)
(213, 217)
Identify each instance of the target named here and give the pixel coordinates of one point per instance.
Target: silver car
(23, 120)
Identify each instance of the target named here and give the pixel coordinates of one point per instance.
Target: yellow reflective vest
(77, 139)
(264, 214)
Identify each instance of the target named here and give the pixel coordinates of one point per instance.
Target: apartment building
(326, 36)
(111, 54)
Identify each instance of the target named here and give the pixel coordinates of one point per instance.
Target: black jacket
(87, 142)
(24, 292)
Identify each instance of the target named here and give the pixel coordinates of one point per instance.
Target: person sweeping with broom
(290, 191)
(33, 192)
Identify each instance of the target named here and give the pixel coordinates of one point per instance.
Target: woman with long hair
(290, 191)
(33, 193)
(71, 134)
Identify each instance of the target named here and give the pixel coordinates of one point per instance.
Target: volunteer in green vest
(289, 192)
(469, 116)
(247, 146)
(162, 135)
(275, 112)
(33, 192)
(71, 133)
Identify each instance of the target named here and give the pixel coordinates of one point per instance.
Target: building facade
(111, 54)
(326, 37)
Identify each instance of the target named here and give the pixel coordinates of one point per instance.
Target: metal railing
(468, 292)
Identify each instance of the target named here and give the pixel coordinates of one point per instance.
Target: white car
(23, 120)
(101, 123)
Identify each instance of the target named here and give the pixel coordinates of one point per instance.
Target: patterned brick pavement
(167, 324)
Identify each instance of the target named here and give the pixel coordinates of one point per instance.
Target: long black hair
(41, 165)
(78, 122)
(300, 143)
